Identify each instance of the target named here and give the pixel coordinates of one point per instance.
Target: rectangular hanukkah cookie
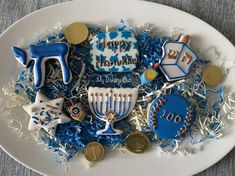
(115, 51)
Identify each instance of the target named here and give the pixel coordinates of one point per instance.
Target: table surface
(218, 13)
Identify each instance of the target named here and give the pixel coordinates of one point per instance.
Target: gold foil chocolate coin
(76, 33)
(94, 151)
(212, 75)
(137, 142)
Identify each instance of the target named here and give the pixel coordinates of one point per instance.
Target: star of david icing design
(110, 116)
(46, 114)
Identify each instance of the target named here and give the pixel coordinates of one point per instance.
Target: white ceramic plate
(107, 12)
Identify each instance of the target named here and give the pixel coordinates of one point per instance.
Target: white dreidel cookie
(177, 59)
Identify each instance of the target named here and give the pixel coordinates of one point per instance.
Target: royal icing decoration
(111, 105)
(170, 116)
(41, 54)
(46, 114)
(177, 59)
(115, 51)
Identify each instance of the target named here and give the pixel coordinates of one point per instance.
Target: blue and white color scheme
(177, 60)
(46, 114)
(41, 54)
(111, 105)
(170, 116)
(115, 51)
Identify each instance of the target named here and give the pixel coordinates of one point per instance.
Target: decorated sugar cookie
(46, 114)
(111, 105)
(41, 54)
(177, 59)
(170, 116)
(115, 51)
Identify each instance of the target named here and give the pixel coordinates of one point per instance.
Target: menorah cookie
(177, 59)
(115, 51)
(170, 116)
(111, 105)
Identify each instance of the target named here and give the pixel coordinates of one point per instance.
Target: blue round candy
(170, 116)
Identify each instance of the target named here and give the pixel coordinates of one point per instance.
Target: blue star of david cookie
(170, 116)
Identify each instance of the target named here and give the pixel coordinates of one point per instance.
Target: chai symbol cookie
(41, 54)
(170, 116)
(115, 51)
(177, 59)
(46, 114)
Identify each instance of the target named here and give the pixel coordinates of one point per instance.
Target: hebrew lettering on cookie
(170, 116)
(46, 114)
(115, 51)
(41, 54)
(177, 59)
